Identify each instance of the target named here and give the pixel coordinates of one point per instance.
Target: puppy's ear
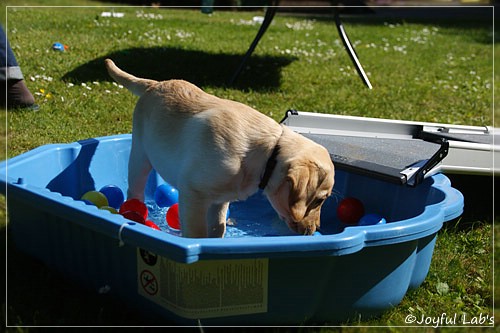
(279, 198)
(298, 178)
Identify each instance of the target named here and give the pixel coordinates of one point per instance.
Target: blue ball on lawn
(371, 219)
(114, 194)
(58, 47)
(166, 195)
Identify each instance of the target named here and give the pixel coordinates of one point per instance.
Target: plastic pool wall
(345, 273)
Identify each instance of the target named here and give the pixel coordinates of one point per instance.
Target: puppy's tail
(136, 85)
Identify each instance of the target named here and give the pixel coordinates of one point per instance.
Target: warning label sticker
(148, 282)
(205, 289)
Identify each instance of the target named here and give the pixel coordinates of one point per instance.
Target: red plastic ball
(151, 224)
(133, 216)
(135, 205)
(350, 210)
(173, 217)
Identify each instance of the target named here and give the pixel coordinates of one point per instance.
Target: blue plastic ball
(114, 194)
(58, 47)
(371, 219)
(166, 195)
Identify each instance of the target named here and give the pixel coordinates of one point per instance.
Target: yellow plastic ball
(97, 198)
(108, 208)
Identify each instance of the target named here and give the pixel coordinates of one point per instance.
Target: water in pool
(253, 217)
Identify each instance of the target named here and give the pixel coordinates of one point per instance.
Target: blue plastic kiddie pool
(260, 274)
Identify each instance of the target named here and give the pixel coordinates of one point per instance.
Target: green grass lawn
(425, 70)
(429, 72)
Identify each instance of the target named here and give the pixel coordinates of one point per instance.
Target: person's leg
(13, 90)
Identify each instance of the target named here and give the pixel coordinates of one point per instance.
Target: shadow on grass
(479, 200)
(198, 67)
(447, 17)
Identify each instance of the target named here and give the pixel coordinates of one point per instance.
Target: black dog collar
(270, 165)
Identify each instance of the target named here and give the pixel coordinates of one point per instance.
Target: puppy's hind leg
(139, 168)
(216, 219)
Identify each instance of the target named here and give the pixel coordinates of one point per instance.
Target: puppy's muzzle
(305, 227)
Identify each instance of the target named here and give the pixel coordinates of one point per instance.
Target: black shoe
(18, 95)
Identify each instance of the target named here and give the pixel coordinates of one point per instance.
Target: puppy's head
(307, 183)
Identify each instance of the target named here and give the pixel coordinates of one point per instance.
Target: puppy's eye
(317, 202)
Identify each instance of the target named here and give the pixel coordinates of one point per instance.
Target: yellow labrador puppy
(216, 151)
